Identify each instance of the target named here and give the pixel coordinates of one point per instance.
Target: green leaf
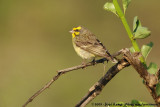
(145, 50)
(141, 33)
(158, 89)
(134, 102)
(153, 68)
(136, 23)
(132, 49)
(125, 4)
(110, 7)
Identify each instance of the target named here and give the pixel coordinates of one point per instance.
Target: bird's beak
(71, 31)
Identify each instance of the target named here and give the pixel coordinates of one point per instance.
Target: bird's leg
(84, 63)
(106, 60)
(93, 61)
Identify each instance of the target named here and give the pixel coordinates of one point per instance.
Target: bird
(87, 46)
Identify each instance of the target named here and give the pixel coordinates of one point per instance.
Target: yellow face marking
(77, 28)
(76, 31)
(73, 35)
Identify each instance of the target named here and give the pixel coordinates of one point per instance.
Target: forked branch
(129, 59)
(150, 80)
(98, 86)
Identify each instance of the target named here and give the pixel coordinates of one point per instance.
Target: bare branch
(59, 73)
(150, 79)
(133, 59)
(98, 86)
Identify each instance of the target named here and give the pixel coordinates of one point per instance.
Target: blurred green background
(35, 43)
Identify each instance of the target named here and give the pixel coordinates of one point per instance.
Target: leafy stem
(124, 21)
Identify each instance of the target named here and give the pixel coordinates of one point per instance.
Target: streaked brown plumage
(87, 45)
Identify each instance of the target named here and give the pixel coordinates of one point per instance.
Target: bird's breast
(82, 53)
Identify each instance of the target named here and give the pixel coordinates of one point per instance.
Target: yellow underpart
(82, 53)
(77, 28)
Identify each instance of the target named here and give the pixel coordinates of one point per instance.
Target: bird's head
(76, 31)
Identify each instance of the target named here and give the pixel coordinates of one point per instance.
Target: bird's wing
(93, 45)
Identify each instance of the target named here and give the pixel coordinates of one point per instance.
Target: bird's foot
(93, 62)
(83, 64)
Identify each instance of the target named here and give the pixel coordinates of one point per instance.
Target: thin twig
(59, 73)
(98, 86)
(42, 89)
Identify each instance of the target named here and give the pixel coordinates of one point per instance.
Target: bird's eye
(77, 28)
